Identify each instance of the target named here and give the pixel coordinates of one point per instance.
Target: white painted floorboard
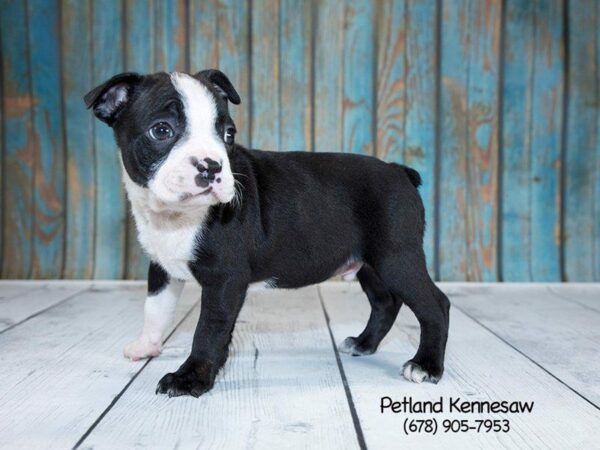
(479, 366)
(21, 300)
(561, 335)
(585, 294)
(10, 289)
(281, 388)
(61, 369)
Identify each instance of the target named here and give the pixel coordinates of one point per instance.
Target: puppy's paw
(353, 347)
(417, 374)
(141, 348)
(190, 379)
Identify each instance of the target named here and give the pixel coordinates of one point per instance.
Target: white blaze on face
(175, 181)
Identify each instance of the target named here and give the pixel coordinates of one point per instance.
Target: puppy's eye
(161, 131)
(229, 135)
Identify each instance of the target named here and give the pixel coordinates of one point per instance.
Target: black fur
(414, 176)
(302, 216)
(157, 278)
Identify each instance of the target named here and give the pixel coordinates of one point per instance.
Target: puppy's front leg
(220, 308)
(159, 312)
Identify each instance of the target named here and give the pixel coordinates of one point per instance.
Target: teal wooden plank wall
(495, 102)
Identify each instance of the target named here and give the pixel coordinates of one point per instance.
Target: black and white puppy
(209, 210)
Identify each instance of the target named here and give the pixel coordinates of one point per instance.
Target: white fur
(347, 346)
(416, 374)
(174, 179)
(167, 235)
(270, 283)
(121, 96)
(159, 313)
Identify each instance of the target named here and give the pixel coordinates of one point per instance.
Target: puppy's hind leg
(384, 310)
(406, 275)
(159, 313)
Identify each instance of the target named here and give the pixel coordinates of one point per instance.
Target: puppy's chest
(171, 247)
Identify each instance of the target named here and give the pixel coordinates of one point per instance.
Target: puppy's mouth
(187, 195)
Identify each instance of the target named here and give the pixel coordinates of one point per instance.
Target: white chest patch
(168, 237)
(171, 246)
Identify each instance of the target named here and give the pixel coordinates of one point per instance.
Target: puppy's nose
(213, 166)
(208, 170)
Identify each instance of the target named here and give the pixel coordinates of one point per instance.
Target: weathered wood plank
(482, 101)
(139, 57)
(45, 218)
(329, 44)
(170, 28)
(203, 44)
(453, 256)
(583, 145)
(469, 153)
(546, 140)
(32, 300)
(561, 336)
(295, 67)
(81, 186)
(597, 177)
(234, 59)
(358, 87)
(265, 75)
(406, 96)
(107, 60)
(532, 114)
(20, 147)
(391, 35)
(517, 116)
(280, 388)
(61, 369)
(473, 372)
(420, 125)
(139, 36)
(49, 189)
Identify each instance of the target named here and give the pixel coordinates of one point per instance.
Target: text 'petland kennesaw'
(209, 210)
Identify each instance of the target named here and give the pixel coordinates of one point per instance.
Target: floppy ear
(110, 97)
(220, 81)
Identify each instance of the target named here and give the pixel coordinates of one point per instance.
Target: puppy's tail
(413, 175)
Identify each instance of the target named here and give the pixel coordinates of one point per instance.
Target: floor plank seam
(526, 356)
(357, 427)
(570, 300)
(130, 382)
(60, 302)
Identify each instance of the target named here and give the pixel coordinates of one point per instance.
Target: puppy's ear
(108, 99)
(220, 82)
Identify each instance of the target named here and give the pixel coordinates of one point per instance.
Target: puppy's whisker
(238, 193)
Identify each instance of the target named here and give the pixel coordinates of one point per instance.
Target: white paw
(141, 348)
(413, 372)
(351, 346)
(347, 346)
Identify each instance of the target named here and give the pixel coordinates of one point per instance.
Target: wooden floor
(65, 383)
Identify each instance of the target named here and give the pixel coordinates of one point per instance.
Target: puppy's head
(174, 131)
